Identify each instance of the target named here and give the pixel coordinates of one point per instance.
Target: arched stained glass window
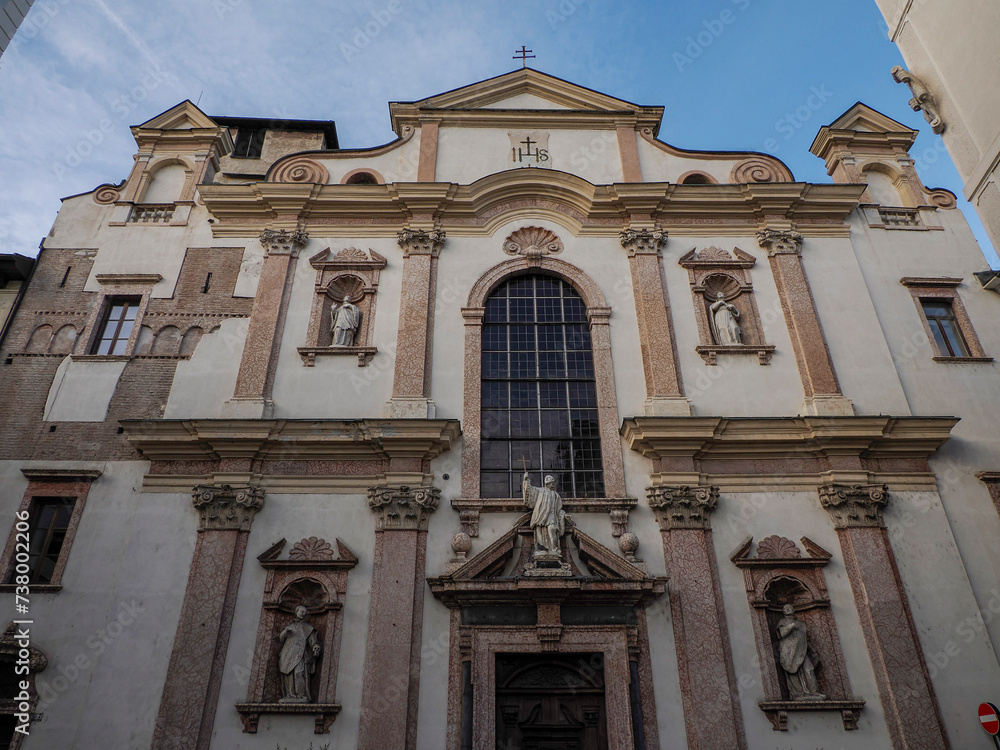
(539, 401)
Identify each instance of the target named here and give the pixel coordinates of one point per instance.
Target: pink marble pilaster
(819, 380)
(908, 699)
(194, 676)
(709, 693)
(267, 317)
(392, 655)
(652, 307)
(411, 379)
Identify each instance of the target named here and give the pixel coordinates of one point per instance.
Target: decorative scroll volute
(854, 506)
(683, 507)
(225, 508)
(403, 508)
(757, 170)
(301, 169)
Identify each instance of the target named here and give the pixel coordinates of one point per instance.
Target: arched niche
(166, 182)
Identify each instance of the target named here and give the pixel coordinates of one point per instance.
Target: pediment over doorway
(501, 574)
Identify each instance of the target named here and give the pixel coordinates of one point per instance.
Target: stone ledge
(777, 711)
(325, 713)
(365, 354)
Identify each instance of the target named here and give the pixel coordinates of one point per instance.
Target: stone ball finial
(461, 543)
(628, 543)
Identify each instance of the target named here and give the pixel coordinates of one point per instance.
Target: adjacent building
(12, 13)
(525, 429)
(953, 69)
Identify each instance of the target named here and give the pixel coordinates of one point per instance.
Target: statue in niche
(725, 321)
(797, 658)
(548, 519)
(300, 651)
(346, 317)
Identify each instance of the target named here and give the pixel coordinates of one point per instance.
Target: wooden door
(551, 702)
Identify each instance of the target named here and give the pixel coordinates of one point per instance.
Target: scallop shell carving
(533, 242)
(106, 194)
(777, 548)
(758, 170)
(720, 283)
(312, 548)
(350, 255)
(351, 287)
(301, 169)
(713, 253)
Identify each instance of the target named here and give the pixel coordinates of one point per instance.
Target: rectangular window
(47, 528)
(117, 326)
(249, 143)
(944, 327)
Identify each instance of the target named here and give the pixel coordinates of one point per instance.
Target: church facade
(524, 430)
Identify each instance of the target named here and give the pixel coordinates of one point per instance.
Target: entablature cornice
(792, 453)
(290, 440)
(480, 208)
(535, 119)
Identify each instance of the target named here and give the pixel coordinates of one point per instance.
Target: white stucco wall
(108, 633)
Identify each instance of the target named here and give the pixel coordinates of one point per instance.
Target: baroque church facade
(524, 430)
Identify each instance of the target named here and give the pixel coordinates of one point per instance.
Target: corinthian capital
(283, 242)
(225, 508)
(683, 507)
(420, 242)
(403, 508)
(779, 242)
(855, 505)
(643, 241)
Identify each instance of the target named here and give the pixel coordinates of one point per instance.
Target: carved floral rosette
(313, 578)
(778, 575)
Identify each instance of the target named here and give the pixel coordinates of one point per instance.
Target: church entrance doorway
(550, 702)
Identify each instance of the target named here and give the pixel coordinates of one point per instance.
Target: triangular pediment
(183, 116)
(863, 119)
(524, 90)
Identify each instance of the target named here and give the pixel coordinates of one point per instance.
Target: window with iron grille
(539, 400)
(947, 334)
(48, 523)
(116, 328)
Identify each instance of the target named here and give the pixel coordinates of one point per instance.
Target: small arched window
(362, 178)
(539, 400)
(696, 178)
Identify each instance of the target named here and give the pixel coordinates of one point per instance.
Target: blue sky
(759, 75)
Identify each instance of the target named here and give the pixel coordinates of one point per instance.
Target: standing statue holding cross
(548, 519)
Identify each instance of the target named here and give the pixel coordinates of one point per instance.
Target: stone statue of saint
(725, 320)
(797, 658)
(299, 652)
(548, 519)
(345, 318)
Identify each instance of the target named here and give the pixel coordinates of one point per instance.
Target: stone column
(252, 397)
(395, 616)
(411, 380)
(191, 693)
(664, 393)
(904, 685)
(708, 680)
(819, 380)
